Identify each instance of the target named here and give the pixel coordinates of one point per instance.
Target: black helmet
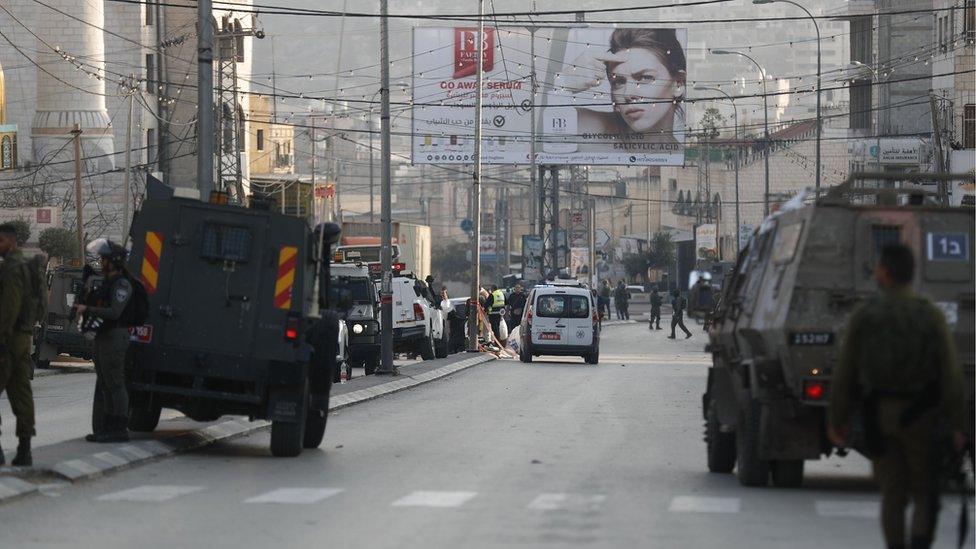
(105, 248)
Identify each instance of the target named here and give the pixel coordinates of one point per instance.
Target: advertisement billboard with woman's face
(610, 96)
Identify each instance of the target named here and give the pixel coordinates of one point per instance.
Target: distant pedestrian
(110, 315)
(15, 336)
(496, 309)
(516, 306)
(655, 310)
(898, 365)
(603, 304)
(621, 295)
(678, 306)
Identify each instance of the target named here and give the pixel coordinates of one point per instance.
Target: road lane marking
(295, 495)
(150, 493)
(703, 504)
(567, 502)
(434, 499)
(849, 509)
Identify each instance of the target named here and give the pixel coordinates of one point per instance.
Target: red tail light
(292, 326)
(528, 315)
(813, 389)
(418, 311)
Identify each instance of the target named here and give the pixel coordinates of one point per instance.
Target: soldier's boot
(116, 430)
(3, 460)
(23, 457)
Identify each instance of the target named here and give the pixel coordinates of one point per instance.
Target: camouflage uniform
(15, 335)
(898, 354)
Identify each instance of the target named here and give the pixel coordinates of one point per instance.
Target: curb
(118, 457)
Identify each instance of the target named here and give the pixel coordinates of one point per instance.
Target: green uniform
(898, 353)
(111, 402)
(15, 335)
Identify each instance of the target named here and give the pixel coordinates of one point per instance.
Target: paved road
(551, 454)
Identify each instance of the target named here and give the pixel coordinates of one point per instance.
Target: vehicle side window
(787, 239)
(758, 251)
(226, 243)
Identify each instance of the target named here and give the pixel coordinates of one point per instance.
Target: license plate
(811, 338)
(550, 336)
(141, 334)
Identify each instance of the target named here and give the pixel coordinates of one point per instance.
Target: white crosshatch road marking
(434, 499)
(295, 495)
(567, 502)
(849, 509)
(703, 504)
(150, 493)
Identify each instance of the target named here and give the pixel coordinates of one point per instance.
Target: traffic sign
(467, 225)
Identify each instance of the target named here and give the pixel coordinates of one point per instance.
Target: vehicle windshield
(565, 306)
(345, 291)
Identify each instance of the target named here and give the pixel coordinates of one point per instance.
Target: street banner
(531, 257)
(706, 241)
(605, 96)
(579, 257)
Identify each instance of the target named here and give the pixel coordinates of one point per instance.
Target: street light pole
(386, 214)
(816, 182)
(473, 309)
(735, 125)
(762, 73)
(205, 100)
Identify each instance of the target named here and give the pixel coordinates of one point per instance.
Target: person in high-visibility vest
(496, 309)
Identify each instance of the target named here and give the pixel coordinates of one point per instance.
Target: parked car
(560, 319)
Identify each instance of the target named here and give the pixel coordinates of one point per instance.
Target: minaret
(67, 95)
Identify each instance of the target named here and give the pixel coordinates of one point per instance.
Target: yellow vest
(497, 300)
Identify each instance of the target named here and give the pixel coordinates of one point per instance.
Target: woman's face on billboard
(642, 90)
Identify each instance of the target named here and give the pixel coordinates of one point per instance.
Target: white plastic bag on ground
(502, 330)
(514, 339)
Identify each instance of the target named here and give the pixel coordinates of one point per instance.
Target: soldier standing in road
(678, 304)
(604, 301)
(655, 310)
(622, 297)
(110, 411)
(898, 363)
(15, 334)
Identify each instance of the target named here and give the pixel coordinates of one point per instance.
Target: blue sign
(948, 247)
(467, 225)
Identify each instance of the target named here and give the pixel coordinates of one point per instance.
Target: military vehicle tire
(787, 473)
(720, 447)
(143, 417)
(426, 348)
(752, 471)
(371, 364)
(287, 438)
(315, 426)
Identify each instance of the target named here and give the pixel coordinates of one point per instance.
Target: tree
(662, 253)
(58, 242)
(636, 266)
(711, 122)
(23, 231)
(451, 262)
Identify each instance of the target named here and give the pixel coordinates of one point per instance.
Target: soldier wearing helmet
(105, 313)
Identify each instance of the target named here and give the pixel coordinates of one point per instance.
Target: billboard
(531, 257)
(604, 95)
(706, 241)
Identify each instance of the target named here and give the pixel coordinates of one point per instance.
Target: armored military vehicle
(353, 296)
(57, 332)
(234, 324)
(778, 327)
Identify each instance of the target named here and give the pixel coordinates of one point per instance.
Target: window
(969, 20)
(260, 140)
(151, 146)
(150, 13)
(151, 73)
(787, 239)
(564, 306)
(226, 243)
(969, 126)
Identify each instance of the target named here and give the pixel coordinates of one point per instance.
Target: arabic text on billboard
(607, 96)
(706, 241)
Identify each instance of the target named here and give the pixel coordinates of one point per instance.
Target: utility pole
(386, 252)
(937, 132)
(205, 100)
(473, 316)
(592, 240)
(128, 168)
(315, 216)
(333, 161)
(79, 226)
(536, 212)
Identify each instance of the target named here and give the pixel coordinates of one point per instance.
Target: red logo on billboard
(466, 51)
(43, 216)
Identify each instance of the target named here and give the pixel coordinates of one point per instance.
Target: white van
(561, 319)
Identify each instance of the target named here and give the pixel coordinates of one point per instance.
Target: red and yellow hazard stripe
(287, 259)
(152, 251)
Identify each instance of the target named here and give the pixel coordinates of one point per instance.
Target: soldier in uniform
(678, 305)
(110, 411)
(655, 323)
(898, 366)
(15, 334)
